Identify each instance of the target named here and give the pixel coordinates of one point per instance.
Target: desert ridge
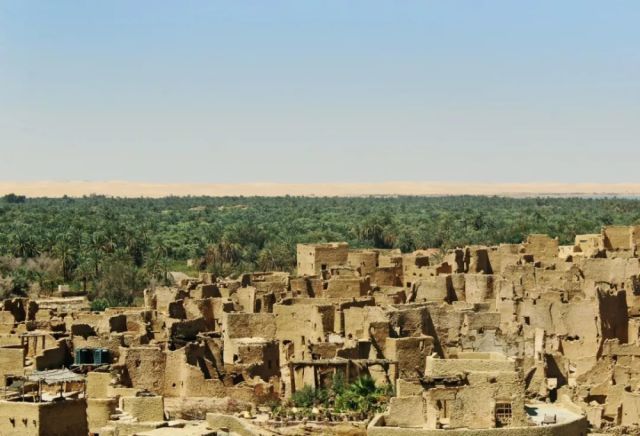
(131, 189)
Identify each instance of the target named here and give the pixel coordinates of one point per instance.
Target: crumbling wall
(246, 325)
(415, 266)
(434, 288)
(52, 358)
(301, 324)
(541, 246)
(99, 412)
(143, 367)
(475, 404)
(144, 408)
(357, 321)
(11, 361)
(347, 287)
(364, 261)
(475, 362)
(617, 237)
(410, 353)
(614, 322)
(314, 258)
(589, 245)
(60, 418)
(477, 260)
(478, 288)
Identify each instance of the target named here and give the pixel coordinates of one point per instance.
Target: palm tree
(65, 252)
(221, 255)
(23, 244)
(157, 263)
(376, 230)
(85, 271)
(136, 242)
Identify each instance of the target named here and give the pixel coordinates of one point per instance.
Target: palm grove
(114, 248)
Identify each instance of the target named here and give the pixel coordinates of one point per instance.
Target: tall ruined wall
(388, 276)
(301, 324)
(143, 367)
(618, 237)
(541, 247)
(415, 266)
(615, 271)
(502, 255)
(20, 419)
(329, 255)
(477, 260)
(314, 258)
(434, 288)
(364, 261)
(11, 361)
(52, 358)
(474, 405)
(358, 320)
(347, 287)
(410, 353)
(411, 320)
(144, 408)
(61, 418)
(589, 245)
(99, 411)
(247, 325)
(614, 320)
(478, 288)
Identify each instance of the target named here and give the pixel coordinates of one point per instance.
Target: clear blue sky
(320, 91)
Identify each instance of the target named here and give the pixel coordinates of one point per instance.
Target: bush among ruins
(6, 287)
(361, 396)
(22, 277)
(119, 284)
(308, 397)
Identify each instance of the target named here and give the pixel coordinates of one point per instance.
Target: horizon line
(135, 189)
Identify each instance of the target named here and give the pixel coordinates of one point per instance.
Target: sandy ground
(138, 189)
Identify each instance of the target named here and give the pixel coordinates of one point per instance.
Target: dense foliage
(362, 395)
(116, 247)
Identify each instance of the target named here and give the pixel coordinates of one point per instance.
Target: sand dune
(154, 190)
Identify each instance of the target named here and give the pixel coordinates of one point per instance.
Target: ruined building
(518, 339)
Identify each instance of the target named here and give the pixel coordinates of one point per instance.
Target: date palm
(64, 250)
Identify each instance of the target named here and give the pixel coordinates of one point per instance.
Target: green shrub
(362, 395)
(309, 397)
(99, 304)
